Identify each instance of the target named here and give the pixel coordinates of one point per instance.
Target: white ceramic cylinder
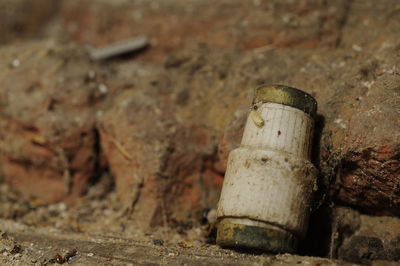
(269, 179)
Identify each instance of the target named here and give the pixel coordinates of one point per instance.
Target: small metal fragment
(158, 242)
(119, 48)
(70, 254)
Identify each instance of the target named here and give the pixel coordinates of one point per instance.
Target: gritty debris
(103, 89)
(15, 63)
(158, 242)
(91, 76)
(16, 249)
(356, 48)
(57, 259)
(340, 122)
(70, 254)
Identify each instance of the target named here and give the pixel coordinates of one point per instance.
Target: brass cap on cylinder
(287, 96)
(240, 236)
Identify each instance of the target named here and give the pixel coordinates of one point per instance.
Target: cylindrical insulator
(267, 191)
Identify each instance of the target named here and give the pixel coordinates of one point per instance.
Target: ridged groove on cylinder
(285, 129)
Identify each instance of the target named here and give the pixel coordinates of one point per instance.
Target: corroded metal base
(263, 238)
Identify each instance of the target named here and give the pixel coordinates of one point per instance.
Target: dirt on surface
(47, 248)
(123, 159)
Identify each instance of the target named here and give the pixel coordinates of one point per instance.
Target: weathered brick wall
(164, 121)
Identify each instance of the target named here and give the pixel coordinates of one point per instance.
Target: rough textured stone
(370, 174)
(232, 136)
(363, 17)
(21, 19)
(135, 140)
(46, 126)
(162, 161)
(361, 238)
(253, 23)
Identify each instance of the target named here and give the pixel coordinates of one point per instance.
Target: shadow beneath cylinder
(317, 241)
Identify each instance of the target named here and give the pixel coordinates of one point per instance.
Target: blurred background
(117, 117)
